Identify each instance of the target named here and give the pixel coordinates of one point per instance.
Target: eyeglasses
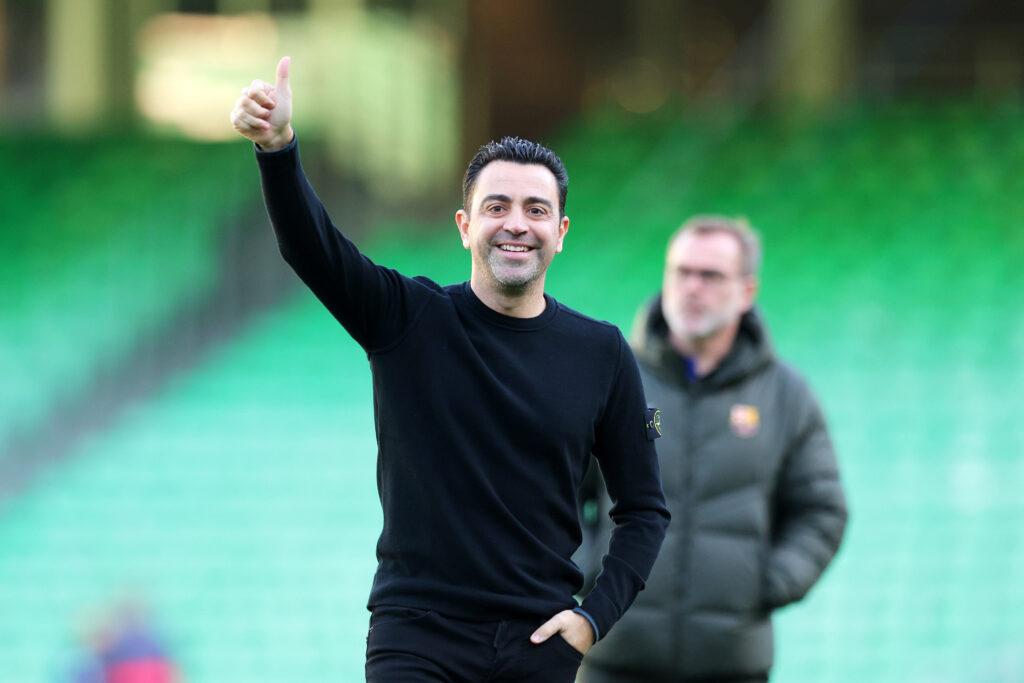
(706, 276)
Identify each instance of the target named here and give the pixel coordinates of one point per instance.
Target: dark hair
(519, 151)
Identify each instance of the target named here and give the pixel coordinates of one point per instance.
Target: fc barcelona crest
(744, 420)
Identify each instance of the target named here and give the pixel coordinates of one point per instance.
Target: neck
(706, 352)
(528, 302)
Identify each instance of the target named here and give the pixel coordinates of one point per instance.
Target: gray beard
(520, 280)
(715, 324)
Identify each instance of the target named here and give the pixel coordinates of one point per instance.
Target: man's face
(704, 290)
(513, 227)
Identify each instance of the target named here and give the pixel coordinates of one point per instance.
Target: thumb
(547, 629)
(283, 67)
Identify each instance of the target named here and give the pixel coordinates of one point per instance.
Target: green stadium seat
(893, 241)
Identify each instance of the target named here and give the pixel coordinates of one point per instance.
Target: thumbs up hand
(263, 113)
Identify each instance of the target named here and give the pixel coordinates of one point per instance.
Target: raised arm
(263, 113)
(373, 303)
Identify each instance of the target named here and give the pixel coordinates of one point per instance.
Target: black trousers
(412, 646)
(591, 674)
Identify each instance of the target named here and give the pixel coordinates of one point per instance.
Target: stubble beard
(513, 279)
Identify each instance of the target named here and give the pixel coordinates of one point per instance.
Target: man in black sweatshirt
(489, 398)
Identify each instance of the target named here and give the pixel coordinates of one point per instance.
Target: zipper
(686, 547)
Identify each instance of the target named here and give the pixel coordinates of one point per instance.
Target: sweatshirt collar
(509, 322)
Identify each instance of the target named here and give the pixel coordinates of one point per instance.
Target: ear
(462, 222)
(563, 227)
(751, 286)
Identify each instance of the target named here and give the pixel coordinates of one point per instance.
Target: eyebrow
(505, 199)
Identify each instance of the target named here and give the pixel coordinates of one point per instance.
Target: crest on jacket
(744, 420)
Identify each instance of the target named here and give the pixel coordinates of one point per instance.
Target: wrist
(279, 141)
(595, 634)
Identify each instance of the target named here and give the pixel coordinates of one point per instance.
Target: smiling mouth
(514, 248)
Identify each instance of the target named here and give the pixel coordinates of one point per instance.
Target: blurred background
(187, 455)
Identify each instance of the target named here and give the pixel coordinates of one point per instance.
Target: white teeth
(509, 247)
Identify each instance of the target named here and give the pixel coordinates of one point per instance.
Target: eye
(494, 208)
(706, 276)
(712, 276)
(537, 211)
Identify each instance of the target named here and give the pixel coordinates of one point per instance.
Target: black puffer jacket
(758, 512)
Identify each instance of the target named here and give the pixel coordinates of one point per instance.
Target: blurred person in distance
(125, 647)
(748, 470)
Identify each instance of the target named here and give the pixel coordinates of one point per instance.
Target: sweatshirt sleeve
(373, 303)
(810, 510)
(625, 451)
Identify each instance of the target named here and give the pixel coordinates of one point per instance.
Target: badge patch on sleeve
(653, 424)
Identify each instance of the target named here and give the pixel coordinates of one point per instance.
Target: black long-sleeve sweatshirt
(484, 425)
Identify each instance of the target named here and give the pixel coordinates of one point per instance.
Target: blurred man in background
(490, 398)
(748, 471)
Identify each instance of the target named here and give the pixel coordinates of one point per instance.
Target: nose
(691, 281)
(692, 288)
(516, 222)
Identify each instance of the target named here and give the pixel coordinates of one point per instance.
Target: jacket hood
(751, 350)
